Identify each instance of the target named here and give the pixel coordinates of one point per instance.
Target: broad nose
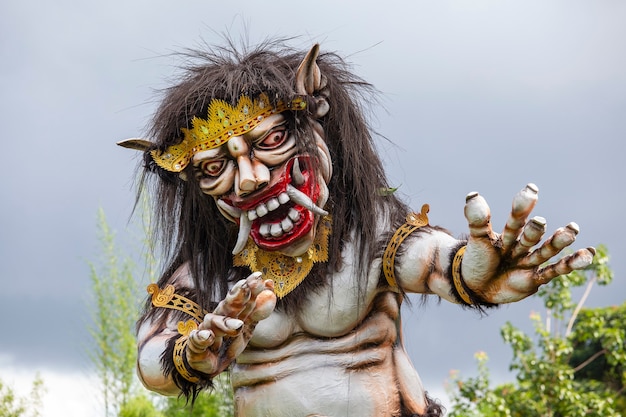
(252, 174)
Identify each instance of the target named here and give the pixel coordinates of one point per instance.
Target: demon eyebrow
(207, 154)
(263, 135)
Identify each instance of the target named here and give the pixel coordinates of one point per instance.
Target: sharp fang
(296, 173)
(272, 204)
(283, 198)
(245, 225)
(286, 224)
(302, 199)
(293, 214)
(261, 210)
(233, 212)
(276, 230)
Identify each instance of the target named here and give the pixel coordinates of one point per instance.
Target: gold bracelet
(179, 363)
(413, 222)
(456, 276)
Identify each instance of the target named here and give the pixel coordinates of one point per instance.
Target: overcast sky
(478, 96)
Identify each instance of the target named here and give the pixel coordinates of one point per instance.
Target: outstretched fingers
(532, 234)
(478, 217)
(523, 204)
(562, 238)
(578, 260)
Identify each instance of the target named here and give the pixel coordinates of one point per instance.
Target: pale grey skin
(336, 356)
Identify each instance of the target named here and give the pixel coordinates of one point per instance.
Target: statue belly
(320, 384)
(351, 375)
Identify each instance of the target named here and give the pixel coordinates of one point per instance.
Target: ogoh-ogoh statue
(286, 259)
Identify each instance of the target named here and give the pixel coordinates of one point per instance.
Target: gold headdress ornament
(223, 122)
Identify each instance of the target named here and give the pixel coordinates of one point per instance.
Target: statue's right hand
(225, 333)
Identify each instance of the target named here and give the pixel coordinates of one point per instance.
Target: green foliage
(575, 365)
(12, 405)
(140, 406)
(115, 310)
(474, 397)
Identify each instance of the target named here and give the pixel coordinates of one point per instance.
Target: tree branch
(590, 359)
(579, 306)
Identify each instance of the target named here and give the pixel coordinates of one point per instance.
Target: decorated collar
(287, 272)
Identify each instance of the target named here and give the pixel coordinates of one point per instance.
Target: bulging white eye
(273, 139)
(212, 168)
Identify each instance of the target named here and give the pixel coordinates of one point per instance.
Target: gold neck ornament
(287, 272)
(222, 123)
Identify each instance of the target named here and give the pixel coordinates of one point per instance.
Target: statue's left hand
(502, 268)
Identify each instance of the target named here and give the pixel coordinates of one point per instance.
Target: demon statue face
(262, 182)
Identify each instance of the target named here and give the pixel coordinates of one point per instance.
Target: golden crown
(223, 122)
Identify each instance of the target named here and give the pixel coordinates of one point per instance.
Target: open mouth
(283, 213)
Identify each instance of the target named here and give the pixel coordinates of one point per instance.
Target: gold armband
(167, 298)
(413, 222)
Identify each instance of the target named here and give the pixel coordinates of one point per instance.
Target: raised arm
(489, 268)
(181, 348)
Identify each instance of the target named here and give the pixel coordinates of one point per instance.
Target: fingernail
(573, 227)
(470, 196)
(234, 324)
(532, 188)
(204, 335)
(539, 221)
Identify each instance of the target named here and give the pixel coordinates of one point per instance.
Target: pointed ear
(308, 76)
(137, 144)
(310, 80)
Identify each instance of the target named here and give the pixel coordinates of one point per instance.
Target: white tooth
(244, 231)
(264, 230)
(302, 199)
(283, 198)
(233, 212)
(261, 210)
(252, 215)
(276, 230)
(296, 173)
(286, 224)
(272, 204)
(293, 214)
